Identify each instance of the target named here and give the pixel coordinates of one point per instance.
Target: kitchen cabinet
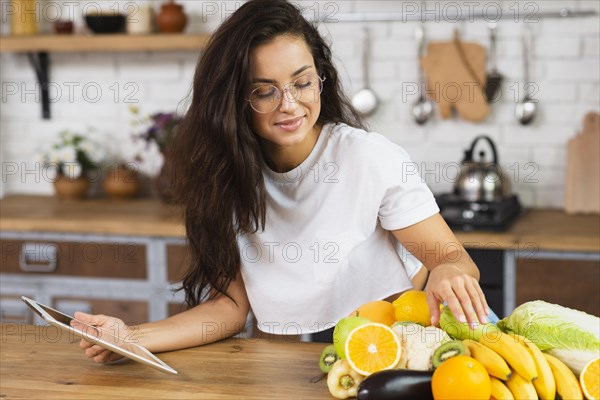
(570, 282)
(125, 276)
(98, 255)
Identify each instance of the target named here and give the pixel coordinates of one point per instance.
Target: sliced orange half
(590, 379)
(372, 347)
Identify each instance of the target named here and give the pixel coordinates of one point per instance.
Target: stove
(478, 215)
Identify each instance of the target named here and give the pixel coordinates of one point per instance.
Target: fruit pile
(387, 351)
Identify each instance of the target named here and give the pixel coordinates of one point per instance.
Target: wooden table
(40, 362)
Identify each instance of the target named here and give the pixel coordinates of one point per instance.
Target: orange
(376, 311)
(461, 377)
(412, 306)
(590, 379)
(372, 347)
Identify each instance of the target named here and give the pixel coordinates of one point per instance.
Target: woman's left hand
(461, 292)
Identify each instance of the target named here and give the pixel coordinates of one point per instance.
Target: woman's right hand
(114, 326)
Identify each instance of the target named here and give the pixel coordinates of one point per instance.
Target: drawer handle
(38, 257)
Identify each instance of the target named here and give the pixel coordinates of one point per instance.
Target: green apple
(342, 330)
(461, 330)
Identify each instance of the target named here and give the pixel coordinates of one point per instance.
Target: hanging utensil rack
(453, 17)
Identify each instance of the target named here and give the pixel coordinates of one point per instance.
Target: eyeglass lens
(266, 98)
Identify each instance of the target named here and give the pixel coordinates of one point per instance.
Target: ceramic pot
(171, 18)
(71, 189)
(139, 22)
(121, 182)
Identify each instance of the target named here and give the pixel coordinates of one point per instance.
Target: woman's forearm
(460, 258)
(208, 322)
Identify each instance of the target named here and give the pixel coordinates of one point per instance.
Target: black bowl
(109, 23)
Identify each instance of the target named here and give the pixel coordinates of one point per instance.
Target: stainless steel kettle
(482, 180)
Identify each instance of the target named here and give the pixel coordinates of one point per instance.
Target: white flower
(93, 151)
(152, 160)
(72, 170)
(67, 154)
(54, 156)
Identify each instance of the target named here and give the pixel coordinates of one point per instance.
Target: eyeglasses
(266, 97)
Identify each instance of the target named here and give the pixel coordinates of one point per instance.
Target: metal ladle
(423, 108)
(527, 107)
(365, 101)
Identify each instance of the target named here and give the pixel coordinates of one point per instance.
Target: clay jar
(71, 189)
(171, 18)
(121, 182)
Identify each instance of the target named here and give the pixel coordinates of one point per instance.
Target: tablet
(98, 336)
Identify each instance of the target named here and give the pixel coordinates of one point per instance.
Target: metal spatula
(494, 78)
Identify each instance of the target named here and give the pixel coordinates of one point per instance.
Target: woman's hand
(453, 276)
(461, 292)
(111, 325)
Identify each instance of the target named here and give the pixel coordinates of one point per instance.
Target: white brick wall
(567, 61)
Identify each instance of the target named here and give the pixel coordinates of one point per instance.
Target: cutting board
(582, 186)
(456, 78)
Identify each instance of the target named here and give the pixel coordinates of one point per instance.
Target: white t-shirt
(326, 248)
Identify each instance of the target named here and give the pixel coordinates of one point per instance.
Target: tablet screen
(98, 336)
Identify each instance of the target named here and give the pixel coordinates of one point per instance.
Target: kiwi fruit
(328, 358)
(448, 350)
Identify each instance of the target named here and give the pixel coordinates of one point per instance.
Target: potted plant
(151, 139)
(121, 181)
(70, 159)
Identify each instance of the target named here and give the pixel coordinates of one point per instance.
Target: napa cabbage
(570, 335)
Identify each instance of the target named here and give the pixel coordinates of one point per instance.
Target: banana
(499, 390)
(567, 385)
(492, 361)
(545, 385)
(515, 354)
(521, 388)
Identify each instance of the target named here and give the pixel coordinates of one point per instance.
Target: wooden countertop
(39, 362)
(536, 229)
(137, 217)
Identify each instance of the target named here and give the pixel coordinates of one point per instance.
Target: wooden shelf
(100, 43)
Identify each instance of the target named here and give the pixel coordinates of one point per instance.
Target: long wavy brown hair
(217, 158)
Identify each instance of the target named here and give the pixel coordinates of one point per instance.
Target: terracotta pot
(71, 189)
(171, 18)
(121, 182)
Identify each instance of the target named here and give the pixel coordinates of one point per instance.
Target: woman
(291, 208)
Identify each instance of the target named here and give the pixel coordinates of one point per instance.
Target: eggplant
(396, 384)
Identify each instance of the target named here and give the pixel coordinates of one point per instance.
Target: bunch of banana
(519, 370)
(567, 385)
(545, 384)
(511, 366)
(514, 353)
